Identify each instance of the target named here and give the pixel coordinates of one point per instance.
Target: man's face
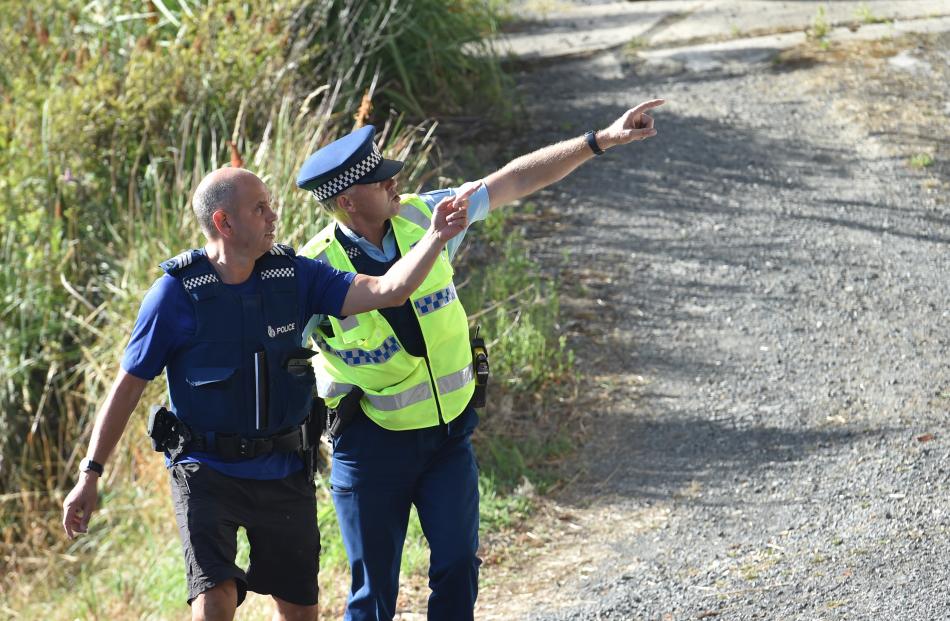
(251, 218)
(375, 202)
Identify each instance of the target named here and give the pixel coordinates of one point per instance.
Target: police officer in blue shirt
(403, 377)
(225, 322)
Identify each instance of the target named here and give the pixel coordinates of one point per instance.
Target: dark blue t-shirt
(166, 322)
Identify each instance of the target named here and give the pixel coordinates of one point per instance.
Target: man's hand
(451, 214)
(79, 504)
(634, 124)
(111, 420)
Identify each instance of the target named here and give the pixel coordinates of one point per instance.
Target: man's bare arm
(110, 423)
(529, 173)
(394, 287)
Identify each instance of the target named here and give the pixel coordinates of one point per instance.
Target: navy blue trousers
(376, 476)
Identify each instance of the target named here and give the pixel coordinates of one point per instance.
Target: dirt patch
(896, 90)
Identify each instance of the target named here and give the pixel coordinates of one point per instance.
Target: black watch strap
(88, 465)
(591, 137)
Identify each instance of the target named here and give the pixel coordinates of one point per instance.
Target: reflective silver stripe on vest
(435, 301)
(454, 381)
(398, 401)
(414, 214)
(357, 357)
(327, 389)
(348, 323)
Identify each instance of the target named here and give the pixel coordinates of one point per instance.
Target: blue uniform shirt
(166, 322)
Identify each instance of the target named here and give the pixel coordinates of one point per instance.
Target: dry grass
(905, 109)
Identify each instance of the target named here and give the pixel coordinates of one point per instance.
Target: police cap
(353, 159)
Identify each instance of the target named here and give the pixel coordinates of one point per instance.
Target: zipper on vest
(435, 389)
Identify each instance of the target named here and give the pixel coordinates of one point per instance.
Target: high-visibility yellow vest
(401, 391)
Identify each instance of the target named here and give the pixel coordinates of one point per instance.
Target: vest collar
(388, 252)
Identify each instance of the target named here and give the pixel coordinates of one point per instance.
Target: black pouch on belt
(312, 430)
(480, 364)
(340, 417)
(166, 432)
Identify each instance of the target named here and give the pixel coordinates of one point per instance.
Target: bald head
(219, 190)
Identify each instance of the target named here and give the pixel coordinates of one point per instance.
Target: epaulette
(282, 250)
(176, 263)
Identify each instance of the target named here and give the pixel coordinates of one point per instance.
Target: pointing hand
(634, 124)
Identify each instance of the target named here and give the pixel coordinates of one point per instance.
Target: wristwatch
(591, 137)
(88, 465)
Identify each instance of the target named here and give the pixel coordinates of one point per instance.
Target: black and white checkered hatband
(349, 176)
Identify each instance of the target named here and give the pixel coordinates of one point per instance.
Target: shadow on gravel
(880, 229)
(706, 165)
(696, 216)
(668, 456)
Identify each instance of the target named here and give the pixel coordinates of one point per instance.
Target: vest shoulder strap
(282, 250)
(316, 248)
(194, 272)
(277, 268)
(174, 265)
(415, 210)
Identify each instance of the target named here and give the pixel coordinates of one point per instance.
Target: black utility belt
(172, 436)
(230, 446)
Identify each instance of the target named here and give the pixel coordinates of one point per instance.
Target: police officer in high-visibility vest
(226, 322)
(399, 381)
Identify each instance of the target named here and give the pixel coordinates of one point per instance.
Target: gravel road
(761, 296)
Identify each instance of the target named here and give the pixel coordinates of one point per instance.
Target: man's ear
(344, 203)
(221, 223)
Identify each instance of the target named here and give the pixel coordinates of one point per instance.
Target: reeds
(110, 114)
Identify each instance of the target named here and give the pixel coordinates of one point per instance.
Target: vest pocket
(291, 401)
(216, 398)
(209, 376)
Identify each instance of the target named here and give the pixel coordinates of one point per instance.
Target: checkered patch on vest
(352, 252)
(280, 272)
(435, 301)
(357, 357)
(198, 281)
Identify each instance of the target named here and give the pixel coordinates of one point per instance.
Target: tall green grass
(516, 309)
(110, 116)
(111, 111)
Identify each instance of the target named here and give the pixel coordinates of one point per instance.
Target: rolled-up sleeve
(478, 207)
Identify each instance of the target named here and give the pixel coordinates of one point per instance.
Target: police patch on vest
(271, 332)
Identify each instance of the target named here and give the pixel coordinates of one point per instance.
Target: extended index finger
(647, 105)
(468, 191)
